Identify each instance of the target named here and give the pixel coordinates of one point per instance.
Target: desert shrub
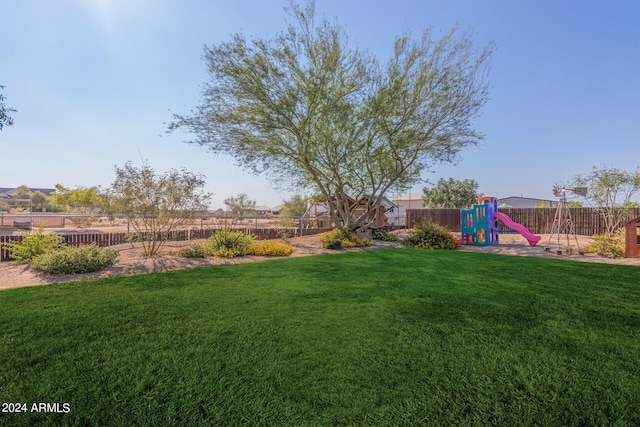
(611, 246)
(198, 250)
(382, 234)
(332, 244)
(431, 236)
(83, 259)
(354, 242)
(229, 243)
(341, 238)
(32, 245)
(269, 248)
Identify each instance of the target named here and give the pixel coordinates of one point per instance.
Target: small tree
(22, 192)
(241, 204)
(38, 200)
(5, 119)
(295, 207)
(609, 190)
(156, 204)
(451, 193)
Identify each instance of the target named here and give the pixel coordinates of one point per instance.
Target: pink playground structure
(479, 225)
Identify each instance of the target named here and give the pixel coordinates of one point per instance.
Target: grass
(386, 337)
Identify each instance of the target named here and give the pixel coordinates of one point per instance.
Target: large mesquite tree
(314, 113)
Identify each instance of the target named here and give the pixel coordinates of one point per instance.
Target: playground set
(479, 225)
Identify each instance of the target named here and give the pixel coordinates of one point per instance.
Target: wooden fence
(65, 220)
(587, 221)
(449, 218)
(109, 239)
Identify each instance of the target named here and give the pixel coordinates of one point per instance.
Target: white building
(404, 203)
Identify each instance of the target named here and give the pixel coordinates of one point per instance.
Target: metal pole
(561, 216)
(562, 224)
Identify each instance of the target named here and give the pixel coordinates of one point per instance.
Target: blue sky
(93, 82)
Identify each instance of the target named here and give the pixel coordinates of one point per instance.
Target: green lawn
(386, 337)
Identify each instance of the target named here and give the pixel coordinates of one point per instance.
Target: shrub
(354, 242)
(341, 238)
(431, 236)
(611, 246)
(33, 245)
(198, 250)
(269, 248)
(332, 244)
(83, 259)
(228, 243)
(382, 234)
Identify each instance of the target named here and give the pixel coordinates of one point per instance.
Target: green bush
(611, 246)
(83, 259)
(332, 244)
(382, 234)
(342, 238)
(229, 243)
(431, 236)
(33, 245)
(198, 250)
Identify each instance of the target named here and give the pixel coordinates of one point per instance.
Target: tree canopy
(5, 119)
(241, 204)
(38, 200)
(295, 206)
(23, 192)
(83, 198)
(319, 115)
(451, 193)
